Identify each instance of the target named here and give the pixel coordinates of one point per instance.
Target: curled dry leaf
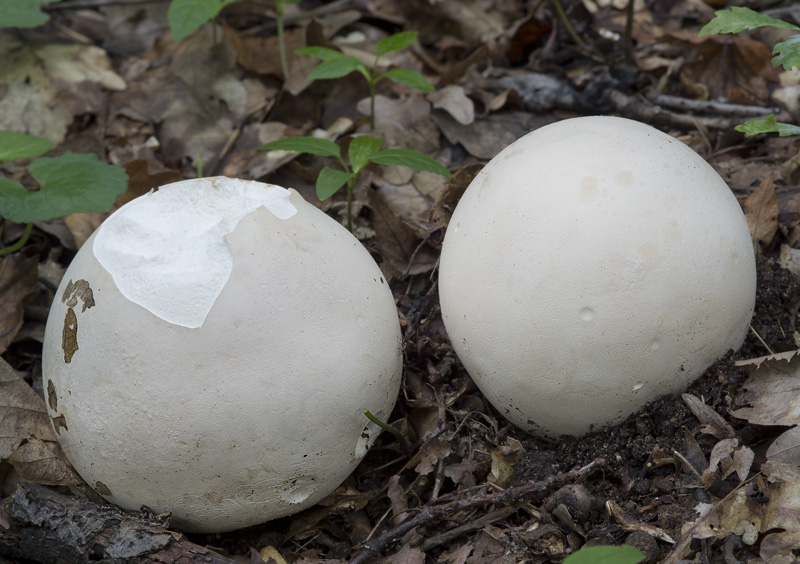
(27, 440)
(761, 212)
(713, 423)
(18, 279)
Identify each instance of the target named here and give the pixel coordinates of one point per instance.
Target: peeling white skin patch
(166, 250)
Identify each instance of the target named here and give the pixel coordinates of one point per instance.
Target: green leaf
(768, 125)
(740, 19)
(311, 145)
(411, 159)
(410, 78)
(319, 52)
(395, 42)
(337, 67)
(787, 53)
(68, 184)
(185, 16)
(361, 151)
(330, 180)
(624, 554)
(15, 146)
(22, 13)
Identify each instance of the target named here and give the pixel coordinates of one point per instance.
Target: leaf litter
(474, 489)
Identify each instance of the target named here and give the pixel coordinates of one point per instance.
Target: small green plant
(786, 54)
(363, 150)
(624, 554)
(70, 183)
(336, 64)
(22, 13)
(185, 16)
(281, 41)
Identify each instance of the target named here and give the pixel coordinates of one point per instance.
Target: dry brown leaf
(713, 423)
(43, 462)
(45, 85)
(431, 454)
(23, 414)
(18, 281)
(772, 391)
(786, 447)
(397, 497)
(455, 102)
(406, 555)
(790, 259)
(761, 211)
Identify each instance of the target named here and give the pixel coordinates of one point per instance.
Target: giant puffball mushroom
(211, 350)
(592, 266)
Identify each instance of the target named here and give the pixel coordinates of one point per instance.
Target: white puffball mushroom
(591, 267)
(211, 350)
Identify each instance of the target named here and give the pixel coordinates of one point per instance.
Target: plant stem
(404, 442)
(281, 40)
(351, 184)
(20, 243)
(562, 15)
(371, 105)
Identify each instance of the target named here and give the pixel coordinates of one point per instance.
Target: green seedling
(624, 554)
(22, 13)
(786, 54)
(405, 445)
(336, 64)
(281, 41)
(363, 150)
(70, 183)
(185, 16)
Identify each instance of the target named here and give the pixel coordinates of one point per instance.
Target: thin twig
(432, 512)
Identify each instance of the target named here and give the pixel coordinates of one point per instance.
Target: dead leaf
(504, 459)
(406, 555)
(431, 454)
(628, 523)
(790, 259)
(23, 414)
(18, 282)
(455, 102)
(761, 211)
(45, 85)
(713, 423)
(772, 392)
(397, 496)
(43, 462)
(484, 138)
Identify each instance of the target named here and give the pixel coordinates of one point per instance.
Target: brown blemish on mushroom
(52, 397)
(78, 290)
(69, 336)
(59, 423)
(101, 488)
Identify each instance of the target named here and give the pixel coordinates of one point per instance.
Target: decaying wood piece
(40, 524)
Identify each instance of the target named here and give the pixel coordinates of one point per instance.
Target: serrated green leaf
(185, 16)
(787, 53)
(337, 67)
(411, 159)
(22, 13)
(768, 125)
(311, 145)
(624, 554)
(68, 184)
(319, 52)
(361, 151)
(410, 78)
(740, 19)
(395, 42)
(15, 146)
(330, 180)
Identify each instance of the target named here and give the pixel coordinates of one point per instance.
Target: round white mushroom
(592, 266)
(211, 350)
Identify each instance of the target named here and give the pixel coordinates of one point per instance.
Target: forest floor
(692, 478)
